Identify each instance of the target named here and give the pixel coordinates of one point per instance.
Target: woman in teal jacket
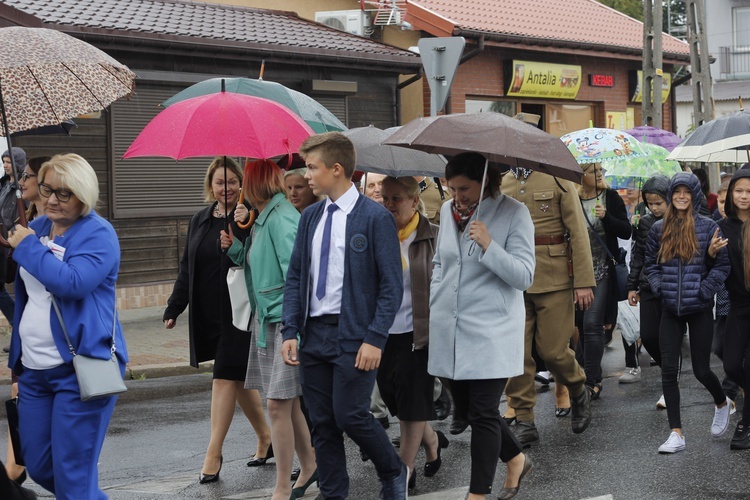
(265, 256)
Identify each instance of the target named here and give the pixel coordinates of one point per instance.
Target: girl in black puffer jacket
(737, 332)
(685, 266)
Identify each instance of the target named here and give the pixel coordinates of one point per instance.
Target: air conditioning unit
(356, 22)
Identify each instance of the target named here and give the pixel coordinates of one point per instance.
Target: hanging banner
(537, 79)
(636, 86)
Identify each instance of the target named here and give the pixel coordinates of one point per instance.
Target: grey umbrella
(724, 139)
(377, 158)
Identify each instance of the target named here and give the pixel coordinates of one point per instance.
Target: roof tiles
(204, 20)
(583, 21)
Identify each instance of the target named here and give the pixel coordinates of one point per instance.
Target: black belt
(328, 319)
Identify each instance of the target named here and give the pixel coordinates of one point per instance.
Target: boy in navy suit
(343, 290)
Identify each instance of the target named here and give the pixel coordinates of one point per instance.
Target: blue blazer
(83, 283)
(373, 278)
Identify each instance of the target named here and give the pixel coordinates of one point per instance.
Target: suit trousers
(477, 402)
(62, 436)
(337, 396)
(550, 320)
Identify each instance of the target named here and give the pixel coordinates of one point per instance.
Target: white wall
(719, 27)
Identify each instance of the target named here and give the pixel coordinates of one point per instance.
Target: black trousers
(477, 401)
(737, 355)
(650, 321)
(670, 342)
(731, 389)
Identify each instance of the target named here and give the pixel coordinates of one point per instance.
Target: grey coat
(477, 311)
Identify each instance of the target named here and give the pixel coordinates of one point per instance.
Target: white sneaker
(661, 404)
(734, 408)
(631, 376)
(674, 444)
(721, 419)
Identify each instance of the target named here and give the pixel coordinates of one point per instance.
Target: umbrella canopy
(710, 140)
(499, 138)
(622, 173)
(372, 156)
(63, 128)
(652, 135)
(47, 77)
(223, 124)
(315, 114)
(593, 145)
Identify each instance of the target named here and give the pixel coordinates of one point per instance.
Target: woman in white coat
(483, 263)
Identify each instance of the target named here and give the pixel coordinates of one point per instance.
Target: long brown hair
(678, 238)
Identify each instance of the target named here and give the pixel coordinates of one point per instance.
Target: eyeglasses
(25, 176)
(62, 195)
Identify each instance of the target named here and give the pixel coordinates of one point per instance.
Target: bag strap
(601, 242)
(65, 330)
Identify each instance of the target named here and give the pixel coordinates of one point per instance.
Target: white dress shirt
(404, 320)
(331, 302)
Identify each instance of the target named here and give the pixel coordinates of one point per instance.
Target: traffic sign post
(440, 59)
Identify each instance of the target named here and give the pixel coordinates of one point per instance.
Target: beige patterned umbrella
(47, 77)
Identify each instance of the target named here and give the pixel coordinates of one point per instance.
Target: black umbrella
(725, 139)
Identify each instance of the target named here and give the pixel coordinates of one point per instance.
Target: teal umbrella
(635, 171)
(311, 111)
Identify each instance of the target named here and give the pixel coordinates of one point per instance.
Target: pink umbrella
(222, 124)
(653, 135)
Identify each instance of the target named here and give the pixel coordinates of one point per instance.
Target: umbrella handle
(250, 216)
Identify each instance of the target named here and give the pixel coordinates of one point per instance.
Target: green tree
(632, 8)
(675, 18)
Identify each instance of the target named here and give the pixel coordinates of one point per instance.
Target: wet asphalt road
(157, 438)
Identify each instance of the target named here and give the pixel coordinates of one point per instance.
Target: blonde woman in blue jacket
(265, 256)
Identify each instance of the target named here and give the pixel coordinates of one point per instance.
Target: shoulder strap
(65, 329)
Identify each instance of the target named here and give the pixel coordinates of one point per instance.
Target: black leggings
(737, 355)
(670, 342)
(650, 321)
(477, 402)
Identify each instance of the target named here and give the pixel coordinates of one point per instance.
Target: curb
(165, 370)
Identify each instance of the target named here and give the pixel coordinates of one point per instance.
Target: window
(480, 105)
(741, 29)
(565, 118)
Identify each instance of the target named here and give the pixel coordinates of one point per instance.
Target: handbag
(242, 313)
(11, 411)
(97, 378)
(620, 275)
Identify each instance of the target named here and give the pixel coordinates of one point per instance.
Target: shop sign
(636, 86)
(536, 79)
(599, 80)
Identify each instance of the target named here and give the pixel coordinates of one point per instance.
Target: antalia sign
(536, 79)
(635, 85)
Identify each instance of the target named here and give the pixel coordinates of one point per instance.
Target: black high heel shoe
(21, 478)
(258, 461)
(299, 492)
(211, 478)
(431, 468)
(508, 493)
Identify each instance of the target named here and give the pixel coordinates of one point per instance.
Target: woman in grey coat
(483, 263)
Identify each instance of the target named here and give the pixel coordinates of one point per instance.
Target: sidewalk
(154, 351)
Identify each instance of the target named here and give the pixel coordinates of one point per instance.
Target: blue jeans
(62, 436)
(337, 397)
(591, 343)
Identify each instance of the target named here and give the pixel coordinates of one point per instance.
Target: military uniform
(430, 195)
(550, 311)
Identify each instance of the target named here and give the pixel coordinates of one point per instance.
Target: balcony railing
(734, 62)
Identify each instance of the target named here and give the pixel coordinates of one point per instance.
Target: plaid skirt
(266, 370)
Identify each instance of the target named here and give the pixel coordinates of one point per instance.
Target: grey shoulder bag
(97, 378)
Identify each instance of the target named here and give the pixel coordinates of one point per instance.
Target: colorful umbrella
(372, 156)
(724, 139)
(634, 171)
(314, 113)
(498, 137)
(593, 145)
(652, 135)
(222, 124)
